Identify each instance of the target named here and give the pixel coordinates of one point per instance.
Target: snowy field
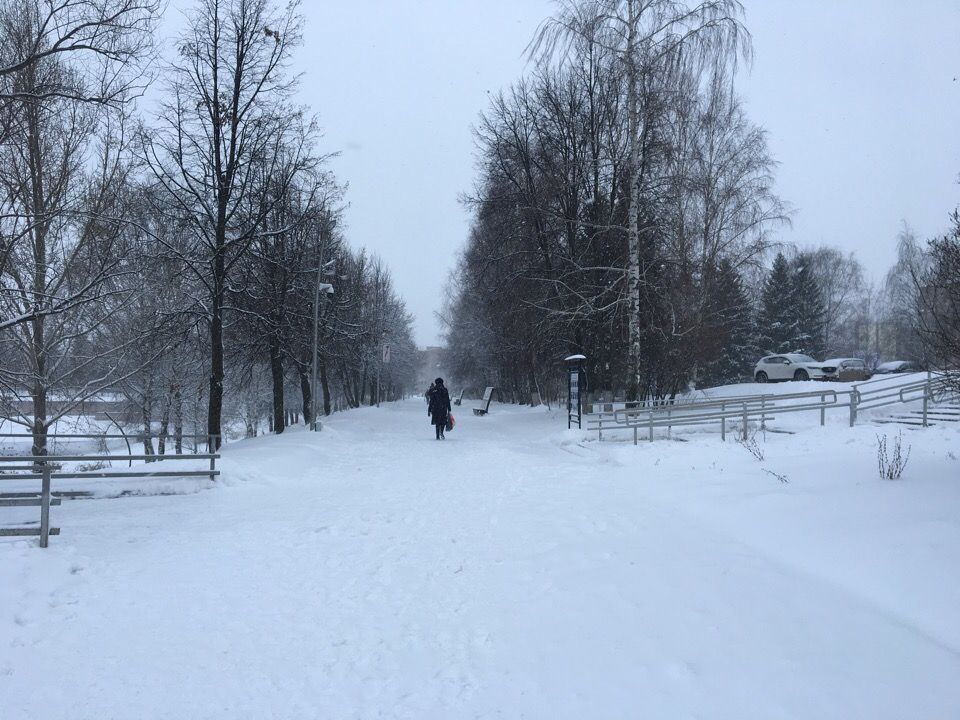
(516, 570)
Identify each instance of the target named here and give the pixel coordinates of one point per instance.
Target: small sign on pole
(386, 353)
(574, 384)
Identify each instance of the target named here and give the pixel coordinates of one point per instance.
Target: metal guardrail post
(723, 421)
(669, 426)
(746, 429)
(634, 434)
(823, 409)
(926, 400)
(854, 395)
(45, 508)
(763, 412)
(213, 460)
(650, 421)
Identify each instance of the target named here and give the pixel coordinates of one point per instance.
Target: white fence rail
(764, 407)
(52, 468)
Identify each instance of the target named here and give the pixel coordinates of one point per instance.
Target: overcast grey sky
(861, 101)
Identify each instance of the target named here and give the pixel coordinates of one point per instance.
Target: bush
(891, 461)
(752, 446)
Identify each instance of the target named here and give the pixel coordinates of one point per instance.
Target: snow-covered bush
(752, 446)
(891, 461)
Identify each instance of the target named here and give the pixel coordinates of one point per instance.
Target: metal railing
(49, 468)
(766, 406)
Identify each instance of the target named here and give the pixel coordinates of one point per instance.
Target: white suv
(788, 366)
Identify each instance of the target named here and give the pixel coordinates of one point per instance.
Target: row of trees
(177, 257)
(819, 302)
(625, 210)
(621, 186)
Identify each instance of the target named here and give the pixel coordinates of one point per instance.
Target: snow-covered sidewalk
(516, 570)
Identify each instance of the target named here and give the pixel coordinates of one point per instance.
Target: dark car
(845, 369)
(897, 366)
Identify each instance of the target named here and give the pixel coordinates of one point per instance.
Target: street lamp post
(328, 289)
(383, 350)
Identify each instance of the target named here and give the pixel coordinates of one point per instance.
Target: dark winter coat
(439, 405)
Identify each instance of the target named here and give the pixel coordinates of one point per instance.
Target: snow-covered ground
(516, 570)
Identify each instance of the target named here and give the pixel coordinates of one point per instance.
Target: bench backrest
(487, 395)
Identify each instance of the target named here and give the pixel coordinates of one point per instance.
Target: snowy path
(370, 571)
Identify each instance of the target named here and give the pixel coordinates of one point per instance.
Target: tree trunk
(633, 231)
(40, 297)
(147, 421)
(178, 419)
(39, 430)
(164, 426)
(326, 387)
(215, 402)
(305, 396)
(39, 394)
(276, 377)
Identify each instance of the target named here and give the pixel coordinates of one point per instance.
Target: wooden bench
(459, 399)
(485, 408)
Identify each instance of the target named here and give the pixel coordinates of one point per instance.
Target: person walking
(439, 407)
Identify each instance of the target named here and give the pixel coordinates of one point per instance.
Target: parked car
(788, 366)
(845, 369)
(897, 366)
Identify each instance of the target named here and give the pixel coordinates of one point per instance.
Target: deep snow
(516, 570)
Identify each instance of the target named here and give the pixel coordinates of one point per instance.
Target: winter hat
(438, 381)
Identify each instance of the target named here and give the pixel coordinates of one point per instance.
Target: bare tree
(225, 107)
(65, 273)
(273, 293)
(84, 51)
(653, 41)
(106, 46)
(845, 299)
(547, 269)
(898, 326)
(938, 298)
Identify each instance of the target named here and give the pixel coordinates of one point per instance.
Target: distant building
(430, 366)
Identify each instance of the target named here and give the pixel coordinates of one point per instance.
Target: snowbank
(514, 570)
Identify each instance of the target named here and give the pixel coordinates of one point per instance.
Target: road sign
(386, 353)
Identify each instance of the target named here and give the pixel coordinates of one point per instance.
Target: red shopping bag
(451, 422)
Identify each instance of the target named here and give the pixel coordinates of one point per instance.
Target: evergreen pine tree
(807, 308)
(777, 325)
(733, 347)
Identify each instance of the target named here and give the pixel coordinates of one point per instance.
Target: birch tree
(651, 40)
